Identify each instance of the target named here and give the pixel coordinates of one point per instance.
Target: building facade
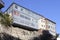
(30, 19)
(23, 16)
(1, 4)
(51, 26)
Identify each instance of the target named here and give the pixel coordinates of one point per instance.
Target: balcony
(1, 4)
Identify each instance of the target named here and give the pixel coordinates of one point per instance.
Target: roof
(50, 20)
(29, 10)
(24, 8)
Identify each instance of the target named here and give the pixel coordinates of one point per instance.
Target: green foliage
(5, 19)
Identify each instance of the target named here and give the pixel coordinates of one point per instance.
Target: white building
(29, 19)
(42, 23)
(24, 16)
(51, 26)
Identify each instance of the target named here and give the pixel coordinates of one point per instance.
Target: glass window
(22, 16)
(25, 17)
(48, 26)
(42, 25)
(16, 6)
(32, 24)
(21, 9)
(51, 27)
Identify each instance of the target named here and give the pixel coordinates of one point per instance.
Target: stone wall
(4, 36)
(18, 32)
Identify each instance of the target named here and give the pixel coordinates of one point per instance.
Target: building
(46, 24)
(28, 19)
(51, 26)
(24, 16)
(1, 4)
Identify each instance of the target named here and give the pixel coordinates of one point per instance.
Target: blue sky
(48, 8)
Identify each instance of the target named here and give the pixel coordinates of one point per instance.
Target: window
(51, 27)
(27, 18)
(48, 26)
(42, 25)
(21, 9)
(16, 6)
(24, 17)
(32, 24)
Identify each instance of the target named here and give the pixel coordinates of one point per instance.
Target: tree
(45, 36)
(56, 36)
(5, 19)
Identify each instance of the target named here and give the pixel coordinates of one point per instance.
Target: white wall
(41, 23)
(52, 27)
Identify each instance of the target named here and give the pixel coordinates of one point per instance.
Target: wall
(51, 27)
(18, 32)
(23, 16)
(41, 23)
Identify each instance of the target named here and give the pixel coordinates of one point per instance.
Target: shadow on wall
(4, 36)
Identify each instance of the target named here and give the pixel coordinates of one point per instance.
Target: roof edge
(29, 10)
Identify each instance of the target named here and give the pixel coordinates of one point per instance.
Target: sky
(48, 8)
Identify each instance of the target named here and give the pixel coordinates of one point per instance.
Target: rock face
(18, 32)
(4, 36)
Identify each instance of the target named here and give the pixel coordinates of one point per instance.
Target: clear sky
(48, 8)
